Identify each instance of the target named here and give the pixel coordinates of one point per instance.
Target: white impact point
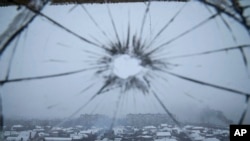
(126, 66)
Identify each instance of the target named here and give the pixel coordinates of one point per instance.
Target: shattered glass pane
(135, 65)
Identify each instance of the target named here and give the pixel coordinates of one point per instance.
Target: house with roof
(160, 135)
(17, 127)
(23, 136)
(10, 133)
(145, 138)
(196, 136)
(150, 128)
(57, 139)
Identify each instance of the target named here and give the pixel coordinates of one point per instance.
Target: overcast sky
(59, 97)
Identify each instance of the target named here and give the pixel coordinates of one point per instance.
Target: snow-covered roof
(195, 131)
(56, 128)
(118, 130)
(221, 132)
(70, 128)
(42, 134)
(163, 134)
(224, 132)
(136, 129)
(166, 129)
(86, 132)
(79, 136)
(198, 128)
(79, 126)
(145, 132)
(117, 139)
(146, 136)
(57, 139)
(11, 138)
(211, 139)
(164, 125)
(8, 133)
(17, 126)
(177, 129)
(38, 127)
(209, 135)
(165, 139)
(196, 137)
(188, 127)
(105, 139)
(150, 127)
(26, 134)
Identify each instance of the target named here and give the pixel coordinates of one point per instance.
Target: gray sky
(60, 97)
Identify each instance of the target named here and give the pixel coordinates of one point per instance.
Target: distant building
(148, 119)
(17, 128)
(160, 135)
(145, 138)
(23, 136)
(57, 139)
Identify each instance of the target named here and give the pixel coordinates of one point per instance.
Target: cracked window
(117, 63)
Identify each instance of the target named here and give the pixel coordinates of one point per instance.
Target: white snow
(196, 136)
(165, 139)
(211, 139)
(164, 125)
(149, 127)
(11, 138)
(13, 133)
(118, 130)
(17, 126)
(57, 139)
(163, 134)
(79, 136)
(146, 136)
(198, 128)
